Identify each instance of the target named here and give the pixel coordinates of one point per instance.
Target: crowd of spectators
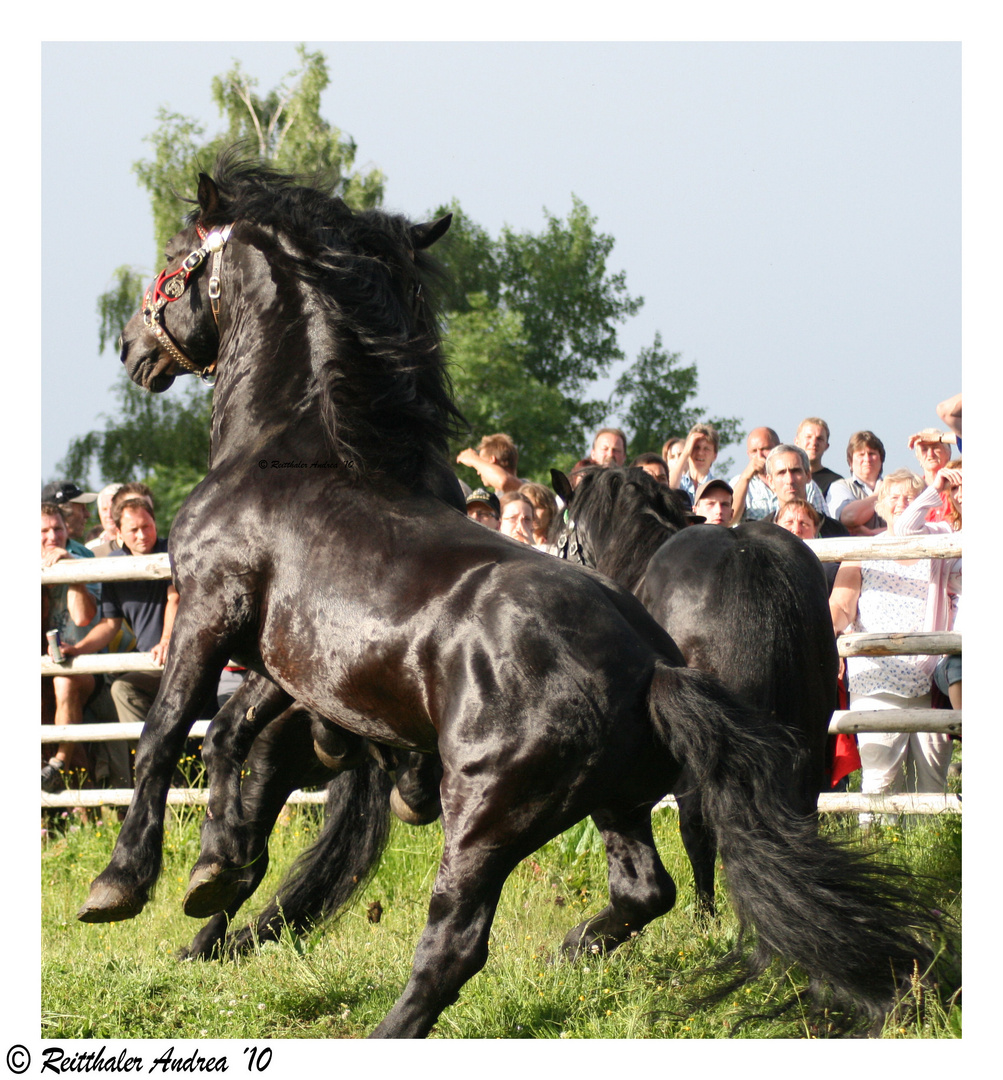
(789, 485)
(120, 617)
(786, 483)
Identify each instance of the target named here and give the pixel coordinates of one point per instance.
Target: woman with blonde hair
(896, 595)
(517, 514)
(544, 510)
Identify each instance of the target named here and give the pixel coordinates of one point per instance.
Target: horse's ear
(562, 485)
(208, 194)
(425, 235)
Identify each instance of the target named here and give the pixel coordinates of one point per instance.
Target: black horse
(748, 604)
(322, 553)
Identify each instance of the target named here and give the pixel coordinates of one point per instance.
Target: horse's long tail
(852, 924)
(326, 876)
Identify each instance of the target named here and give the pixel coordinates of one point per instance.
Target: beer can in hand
(55, 644)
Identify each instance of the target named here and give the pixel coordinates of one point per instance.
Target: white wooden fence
(157, 567)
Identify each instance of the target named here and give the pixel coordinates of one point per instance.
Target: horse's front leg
(217, 874)
(122, 889)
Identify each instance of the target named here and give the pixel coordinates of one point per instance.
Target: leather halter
(169, 287)
(569, 547)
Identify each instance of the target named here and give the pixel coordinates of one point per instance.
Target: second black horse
(748, 604)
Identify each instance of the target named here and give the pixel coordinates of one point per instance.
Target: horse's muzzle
(145, 364)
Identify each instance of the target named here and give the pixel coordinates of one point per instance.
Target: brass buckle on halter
(195, 260)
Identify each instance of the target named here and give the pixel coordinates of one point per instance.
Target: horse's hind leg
(454, 944)
(280, 762)
(640, 888)
(700, 844)
(225, 849)
(485, 837)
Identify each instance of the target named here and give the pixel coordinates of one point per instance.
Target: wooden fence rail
(836, 802)
(121, 568)
(931, 644)
(864, 548)
(845, 722)
(157, 567)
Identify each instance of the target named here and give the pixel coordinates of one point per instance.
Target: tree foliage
(532, 323)
(495, 392)
(161, 439)
(570, 303)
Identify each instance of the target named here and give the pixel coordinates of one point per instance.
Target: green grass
(121, 981)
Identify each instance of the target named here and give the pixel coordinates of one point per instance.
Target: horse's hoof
(335, 762)
(211, 889)
(109, 903)
(410, 815)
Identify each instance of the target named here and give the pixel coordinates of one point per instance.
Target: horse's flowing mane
(622, 517)
(382, 385)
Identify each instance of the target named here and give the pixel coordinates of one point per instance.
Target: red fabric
(942, 512)
(843, 757)
(841, 753)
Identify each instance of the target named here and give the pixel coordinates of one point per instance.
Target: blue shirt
(140, 603)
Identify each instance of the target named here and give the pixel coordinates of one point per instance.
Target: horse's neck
(266, 401)
(625, 559)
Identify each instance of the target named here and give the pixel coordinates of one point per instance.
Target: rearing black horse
(748, 604)
(321, 551)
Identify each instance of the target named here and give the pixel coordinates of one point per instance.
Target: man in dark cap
(484, 507)
(73, 502)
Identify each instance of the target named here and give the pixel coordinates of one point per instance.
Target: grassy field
(118, 981)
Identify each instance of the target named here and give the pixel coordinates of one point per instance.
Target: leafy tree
(556, 280)
(531, 323)
(494, 391)
(570, 303)
(652, 400)
(468, 257)
(161, 439)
